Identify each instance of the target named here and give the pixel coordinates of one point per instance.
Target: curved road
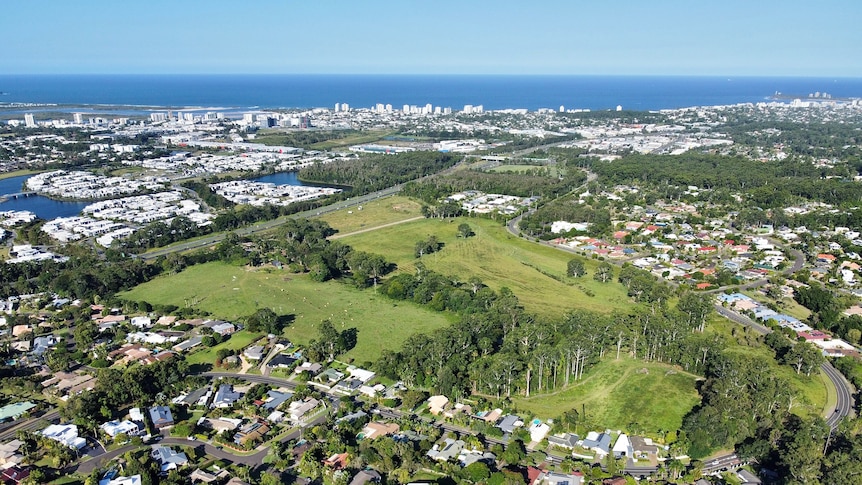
(843, 389)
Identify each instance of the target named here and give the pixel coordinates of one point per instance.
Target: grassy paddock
(375, 213)
(237, 341)
(498, 259)
(626, 394)
(232, 292)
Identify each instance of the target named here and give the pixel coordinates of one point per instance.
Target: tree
(804, 357)
(604, 272)
(576, 268)
(464, 230)
(264, 320)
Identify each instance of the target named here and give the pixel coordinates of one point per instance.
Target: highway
(32, 424)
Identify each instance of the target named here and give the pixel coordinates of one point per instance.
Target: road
(844, 403)
(721, 463)
(250, 460)
(32, 424)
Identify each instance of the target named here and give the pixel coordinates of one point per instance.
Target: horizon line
(454, 74)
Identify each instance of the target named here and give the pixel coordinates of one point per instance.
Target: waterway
(46, 208)
(43, 207)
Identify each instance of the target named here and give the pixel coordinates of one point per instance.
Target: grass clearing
(232, 292)
(499, 259)
(630, 394)
(553, 170)
(237, 341)
(18, 173)
(373, 214)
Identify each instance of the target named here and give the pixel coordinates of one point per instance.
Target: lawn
(498, 259)
(373, 214)
(232, 292)
(627, 394)
(237, 341)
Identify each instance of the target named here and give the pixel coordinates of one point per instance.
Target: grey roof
(281, 360)
(748, 477)
(161, 416)
(568, 440)
(225, 396)
(365, 476)
(602, 443)
(278, 397)
(507, 424)
(193, 397)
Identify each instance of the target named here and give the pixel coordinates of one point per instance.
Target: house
(538, 430)
(747, 478)
(490, 416)
(251, 432)
(312, 368)
(554, 478)
(298, 409)
(220, 327)
(201, 476)
(360, 374)
(11, 412)
(255, 352)
(15, 475)
(376, 429)
(161, 417)
(66, 434)
(436, 404)
(276, 398)
(509, 423)
(623, 447)
(643, 448)
(565, 440)
(142, 322)
(115, 427)
(450, 450)
(282, 361)
(225, 397)
(188, 344)
(9, 453)
(600, 443)
(331, 376)
(365, 476)
(168, 458)
(136, 415)
(337, 461)
(219, 424)
(132, 480)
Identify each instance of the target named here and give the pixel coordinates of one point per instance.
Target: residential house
(376, 429)
(623, 447)
(161, 417)
(538, 431)
(255, 352)
(509, 423)
(598, 442)
(282, 361)
(276, 398)
(132, 480)
(330, 376)
(9, 455)
(168, 458)
(554, 478)
(436, 404)
(565, 440)
(225, 397)
(448, 451)
(643, 448)
(251, 432)
(219, 424)
(298, 409)
(188, 344)
(142, 322)
(115, 427)
(312, 368)
(365, 476)
(220, 327)
(14, 475)
(66, 434)
(11, 412)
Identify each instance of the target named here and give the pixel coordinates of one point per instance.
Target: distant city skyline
(621, 37)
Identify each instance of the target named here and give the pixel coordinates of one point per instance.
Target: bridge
(17, 195)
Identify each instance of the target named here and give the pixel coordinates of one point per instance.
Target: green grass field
(18, 173)
(499, 259)
(625, 394)
(233, 292)
(373, 214)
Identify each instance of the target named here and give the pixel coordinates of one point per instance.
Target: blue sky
(643, 37)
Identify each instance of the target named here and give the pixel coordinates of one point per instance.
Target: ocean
(245, 92)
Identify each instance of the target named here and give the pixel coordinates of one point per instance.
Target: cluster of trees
(82, 276)
(158, 234)
(538, 224)
(427, 246)
(377, 172)
(498, 349)
(330, 342)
